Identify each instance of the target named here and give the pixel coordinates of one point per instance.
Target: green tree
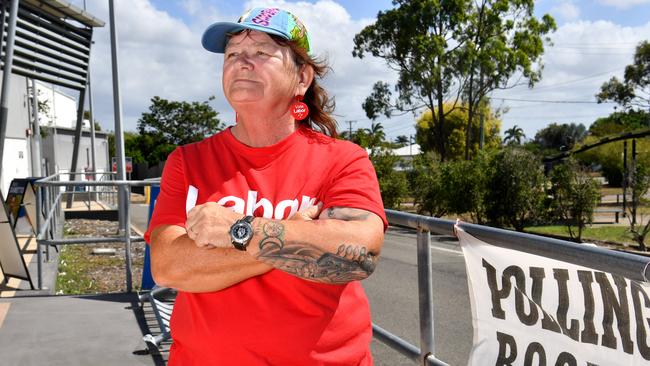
(43, 107)
(454, 132)
(501, 38)
(634, 90)
(171, 123)
(514, 135)
(560, 136)
(179, 123)
(392, 183)
(463, 185)
(86, 115)
(516, 188)
(360, 137)
(445, 51)
(415, 39)
(401, 141)
(618, 122)
(574, 196)
(425, 185)
(609, 157)
(377, 136)
(639, 185)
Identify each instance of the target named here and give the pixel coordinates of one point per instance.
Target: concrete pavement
(93, 330)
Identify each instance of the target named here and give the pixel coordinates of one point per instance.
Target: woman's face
(258, 70)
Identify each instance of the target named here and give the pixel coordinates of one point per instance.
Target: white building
(61, 107)
(58, 127)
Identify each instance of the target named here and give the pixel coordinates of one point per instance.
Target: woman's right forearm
(178, 263)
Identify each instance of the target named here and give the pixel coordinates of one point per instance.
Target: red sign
(129, 164)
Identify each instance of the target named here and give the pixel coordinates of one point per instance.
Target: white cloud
(160, 54)
(624, 4)
(567, 10)
(585, 55)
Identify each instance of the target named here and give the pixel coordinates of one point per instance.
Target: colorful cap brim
(216, 36)
(273, 21)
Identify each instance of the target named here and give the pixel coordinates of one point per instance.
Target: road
(393, 294)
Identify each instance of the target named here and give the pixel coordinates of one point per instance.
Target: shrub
(464, 185)
(425, 186)
(515, 188)
(575, 196)
(392, 183)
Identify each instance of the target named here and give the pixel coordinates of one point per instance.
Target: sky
(160, 55)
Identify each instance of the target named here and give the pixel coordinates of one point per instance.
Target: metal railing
(632, 266)
(49, 210)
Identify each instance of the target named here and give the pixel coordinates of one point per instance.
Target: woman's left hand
(209, 225)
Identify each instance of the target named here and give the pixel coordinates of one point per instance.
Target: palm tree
(402, 140)
(514, 135)
(377, 134)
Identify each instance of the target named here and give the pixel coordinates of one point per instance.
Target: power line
(528, 117)
(576, 80)
(569, 44)
(550, 101)
(588, 52)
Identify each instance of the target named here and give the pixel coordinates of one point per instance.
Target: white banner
(531, 310)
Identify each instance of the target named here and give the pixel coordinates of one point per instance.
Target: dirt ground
(82, 272)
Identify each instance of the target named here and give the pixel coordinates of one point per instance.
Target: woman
(286, 220)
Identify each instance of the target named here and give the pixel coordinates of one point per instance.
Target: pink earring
(299, 110)
(236, 117)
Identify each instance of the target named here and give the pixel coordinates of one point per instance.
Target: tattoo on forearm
(349, 263)
(347, 214)
(273, 236)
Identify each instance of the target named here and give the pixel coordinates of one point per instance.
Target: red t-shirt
(275, 318)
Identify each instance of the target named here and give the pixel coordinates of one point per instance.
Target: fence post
(425, 289)
(39, 257)
(126, 216)
(48, 202)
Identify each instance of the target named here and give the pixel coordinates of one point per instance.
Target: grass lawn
(611, 190)
(82, 272)
(614, 233)
(76, 267)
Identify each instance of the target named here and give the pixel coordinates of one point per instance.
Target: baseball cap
(268, 20)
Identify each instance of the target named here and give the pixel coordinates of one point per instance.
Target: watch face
(242, 232)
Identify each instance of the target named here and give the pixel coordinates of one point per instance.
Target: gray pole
(635, 203)
(6, 79)
(425, 289)
(123, 191)
(92, 118)
(625, 175)
(350, 122)
(53, 121)
(39, 259)
(36, 134)
(92, 128)
(77, 144)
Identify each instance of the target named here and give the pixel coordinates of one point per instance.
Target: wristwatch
(241, 232)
